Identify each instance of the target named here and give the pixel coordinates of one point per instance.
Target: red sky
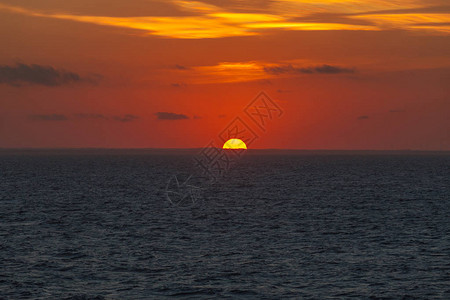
(107, 73)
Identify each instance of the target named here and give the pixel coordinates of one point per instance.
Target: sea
(138, 224)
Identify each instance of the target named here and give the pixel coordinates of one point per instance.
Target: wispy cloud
(125, 118)
(204, 20)
(229, 72)
(410, 21)
(363, 117)
(21, 74)
(161, 115)
(96, 116)
(83, 116)
(323, 69)
(91, 116)
(259, 71)
(180, 67)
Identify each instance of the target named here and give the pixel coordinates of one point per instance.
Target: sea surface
(286, 225)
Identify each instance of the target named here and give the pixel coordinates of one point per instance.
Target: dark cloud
(397, 110)
(170, 116)
(95, 116)
(363, 117)
(125, 118)
(327, 69)
(84, 116)
(197, 117)
(91, 116)
(41, 75)
(276, 70)
(290, 69)
(52, 117)
(180, 67)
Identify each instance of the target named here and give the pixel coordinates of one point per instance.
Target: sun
(234, 144)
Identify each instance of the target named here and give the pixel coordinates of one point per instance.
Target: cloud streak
(180, 67)
(37, 75)
(260, 71)
(91, 116)
(170, 116)
(125, 118)
(83, 116)
(323, 69)
(95, 116)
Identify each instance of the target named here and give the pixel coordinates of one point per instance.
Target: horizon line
(199, 148)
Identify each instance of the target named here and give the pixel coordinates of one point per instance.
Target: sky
(347, 74)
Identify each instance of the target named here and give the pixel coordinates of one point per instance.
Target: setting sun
(234, 144)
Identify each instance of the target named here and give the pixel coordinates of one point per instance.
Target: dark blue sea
(91, 224)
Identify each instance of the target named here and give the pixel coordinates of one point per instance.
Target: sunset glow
(369, 74)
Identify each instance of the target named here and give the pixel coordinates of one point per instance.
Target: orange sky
(107, 73)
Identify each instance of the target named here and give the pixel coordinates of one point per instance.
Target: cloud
(116, 8)
(170, 116)
(91, 116)
(96, 116)
(201, 20)
(51, 117)
(37, 74)
(180, 67)
(432, 24)
(231, 72)
(327, 69)
(242, 5)
(125, 118)
(363, 117)
(219, 19)
(440, 9)
(260, 72)
(290, 69)
(397, 110)
(83, 116)
(331, 18)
